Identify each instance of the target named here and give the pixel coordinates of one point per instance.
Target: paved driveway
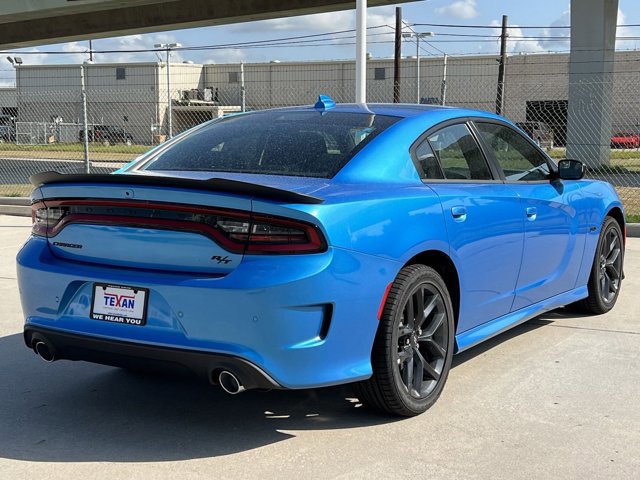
(558, 397)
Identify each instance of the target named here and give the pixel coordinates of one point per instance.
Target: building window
(379, 73)
(121, 73)
(234, 77)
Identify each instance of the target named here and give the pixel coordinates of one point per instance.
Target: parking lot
(557, 397)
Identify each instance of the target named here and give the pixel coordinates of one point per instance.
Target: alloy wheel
(422, 341)
(610, 265)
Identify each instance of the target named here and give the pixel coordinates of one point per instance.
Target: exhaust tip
(44, 351)
(230, 383)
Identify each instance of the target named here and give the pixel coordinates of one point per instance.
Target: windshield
(296, 143)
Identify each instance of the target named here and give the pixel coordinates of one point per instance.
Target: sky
(381, 20)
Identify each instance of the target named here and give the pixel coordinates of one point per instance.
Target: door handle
(532, 213)
(459, 213)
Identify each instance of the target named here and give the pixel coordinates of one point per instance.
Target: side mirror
(570, 169)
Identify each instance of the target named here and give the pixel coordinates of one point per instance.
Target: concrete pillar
(593, 41)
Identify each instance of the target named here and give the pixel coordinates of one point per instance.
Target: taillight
(45, 219)
(272, 235)
(237, 231)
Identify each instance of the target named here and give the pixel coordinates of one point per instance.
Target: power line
(424, 41)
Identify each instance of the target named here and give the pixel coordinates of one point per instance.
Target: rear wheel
(413, 348)
(606, 271)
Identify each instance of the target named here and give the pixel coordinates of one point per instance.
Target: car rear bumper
(71, 346)
(304, 320)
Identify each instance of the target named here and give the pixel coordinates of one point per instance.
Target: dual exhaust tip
(230, 383)
(44, 351)
(227, 380)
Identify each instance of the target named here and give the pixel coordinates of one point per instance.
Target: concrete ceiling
(38, 22)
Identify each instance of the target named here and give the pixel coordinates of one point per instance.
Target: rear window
(298, 143)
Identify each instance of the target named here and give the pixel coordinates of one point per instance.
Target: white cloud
(554, 44)
(125, 48)
(230, 55)
(626, 32)
(515, 42)
(72, 47)
(462, 9)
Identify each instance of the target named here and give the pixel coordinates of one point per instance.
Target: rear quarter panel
(393, 223)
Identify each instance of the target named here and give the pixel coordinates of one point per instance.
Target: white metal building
(134, 96)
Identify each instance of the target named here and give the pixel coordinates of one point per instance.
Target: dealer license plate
(119, 304)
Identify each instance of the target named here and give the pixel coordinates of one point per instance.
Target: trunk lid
(153, 223)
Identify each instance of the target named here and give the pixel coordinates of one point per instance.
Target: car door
(483, 218)
(553, 239)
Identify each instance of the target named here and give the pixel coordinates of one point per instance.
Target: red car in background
(625, 140)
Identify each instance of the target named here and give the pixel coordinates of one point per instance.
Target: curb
(15, 210)
(633, 230)
(16, 206)
(24, 201)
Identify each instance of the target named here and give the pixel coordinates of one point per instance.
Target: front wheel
(606, 272)
(413, 349)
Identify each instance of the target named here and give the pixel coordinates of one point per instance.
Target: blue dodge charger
(313, 246)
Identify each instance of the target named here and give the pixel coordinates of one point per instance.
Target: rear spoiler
(213, 184)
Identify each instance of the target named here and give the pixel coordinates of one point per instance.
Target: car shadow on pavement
(80, 412)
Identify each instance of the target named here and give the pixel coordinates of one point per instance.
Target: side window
(459, 154)
(428, 162)
(519, 160)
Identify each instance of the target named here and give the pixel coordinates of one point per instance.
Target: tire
(402, 346)
(606, 271)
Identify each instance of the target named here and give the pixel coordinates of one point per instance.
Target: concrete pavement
(558, 397)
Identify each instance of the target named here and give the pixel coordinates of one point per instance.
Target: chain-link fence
(128, 108)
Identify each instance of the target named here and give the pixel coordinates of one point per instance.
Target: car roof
(403, 110)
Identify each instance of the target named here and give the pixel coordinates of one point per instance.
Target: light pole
(417, 37)
(16, 62)
(168, 47)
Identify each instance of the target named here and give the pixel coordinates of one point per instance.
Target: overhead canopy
(37, 22)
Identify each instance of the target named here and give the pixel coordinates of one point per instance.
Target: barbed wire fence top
(132, 107)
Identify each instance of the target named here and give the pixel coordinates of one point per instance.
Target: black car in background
(540, 132)
(108, 134)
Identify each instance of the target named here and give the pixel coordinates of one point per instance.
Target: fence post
(243, 91)
(502, 67)
(443, 87)
(87, 163)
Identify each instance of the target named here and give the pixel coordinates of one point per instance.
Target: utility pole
(397, 55)
(90, 50)
(502, 67)
(361, 51)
